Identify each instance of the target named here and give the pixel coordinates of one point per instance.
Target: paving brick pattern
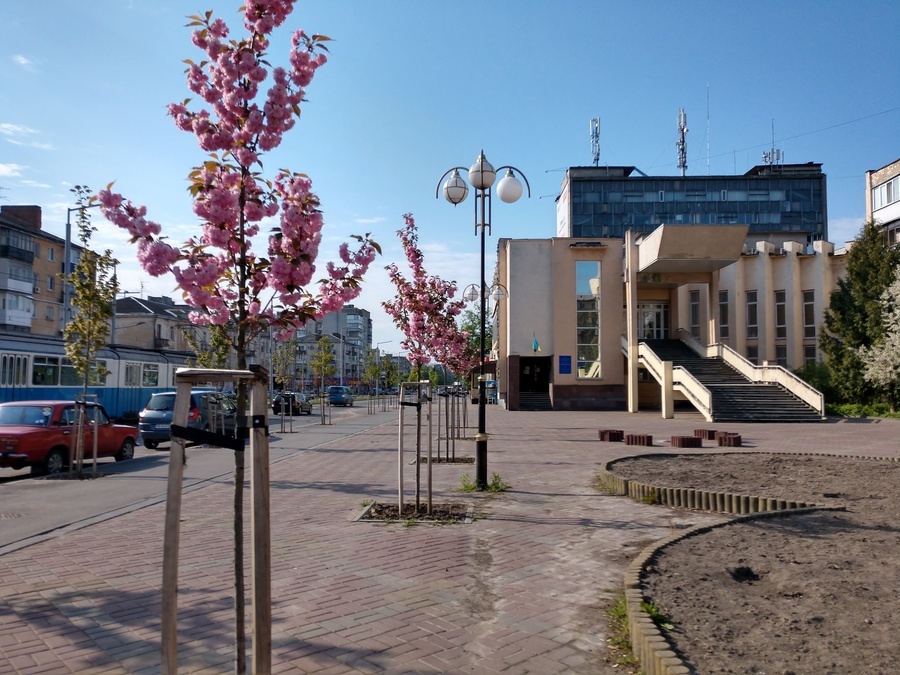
(522, 589)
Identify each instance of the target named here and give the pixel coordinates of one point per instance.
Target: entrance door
(534, 374)
(653, 321)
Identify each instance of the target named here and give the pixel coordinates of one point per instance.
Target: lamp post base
(481, 445)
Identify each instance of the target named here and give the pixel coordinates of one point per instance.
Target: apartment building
(883, 199)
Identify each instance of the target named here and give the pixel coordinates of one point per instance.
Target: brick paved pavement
(522, 589)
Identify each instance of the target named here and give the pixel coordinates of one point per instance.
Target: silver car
(209, 410)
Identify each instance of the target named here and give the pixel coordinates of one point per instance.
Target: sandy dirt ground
(810, 594)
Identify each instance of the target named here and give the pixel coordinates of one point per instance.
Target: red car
(41, 434)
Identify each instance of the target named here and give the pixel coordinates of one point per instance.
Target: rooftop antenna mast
(595, 139)
(774, 155)
(707, 130)
(681, 143)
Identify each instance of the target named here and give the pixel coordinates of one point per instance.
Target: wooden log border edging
(648, 643)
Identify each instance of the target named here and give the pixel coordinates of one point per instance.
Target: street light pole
(378, 365)
(482, 176)
(341, 361)
(67, 262)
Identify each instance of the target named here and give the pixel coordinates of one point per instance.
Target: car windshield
(25, 415)
(161, 402)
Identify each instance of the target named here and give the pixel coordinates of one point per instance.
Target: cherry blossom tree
(424, 310)
(220, 276)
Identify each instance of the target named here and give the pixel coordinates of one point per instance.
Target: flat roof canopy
(690, 249)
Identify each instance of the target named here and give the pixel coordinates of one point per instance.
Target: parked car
(338, 395)
(209, 410)
(293, 403)
(41, 434)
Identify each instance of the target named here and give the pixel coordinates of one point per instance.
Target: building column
(712, 309)
(668, 392)
(631, 326)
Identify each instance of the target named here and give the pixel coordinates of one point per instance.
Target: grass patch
(601, 484)
(495, 484)
(619, 638)
(651, 497)
(652, 610)
(861, 410)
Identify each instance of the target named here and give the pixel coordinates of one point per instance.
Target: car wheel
(54, 462)
(151, 445)
(126, 452)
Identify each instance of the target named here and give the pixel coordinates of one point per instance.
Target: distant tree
(881, 361)
(390, 372)
(371, 369)
(321, 363)
(212, 355)
(284, 362)
(471, 324)
(854, 316)
(94, 285)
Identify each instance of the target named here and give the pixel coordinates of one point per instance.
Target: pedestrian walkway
(522, 589)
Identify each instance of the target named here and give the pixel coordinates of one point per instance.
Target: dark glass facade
(776, 200)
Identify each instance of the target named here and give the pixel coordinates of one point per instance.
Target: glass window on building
(886, 194)
(50, 314)
(653, 321)
(49, 283)
(809, 354)
(723, 315)
(587, 318)
(753, 354)
(695, 314)
(780, 315)
(51, 254)
(781, 355)
(809, 314)
(752, 319)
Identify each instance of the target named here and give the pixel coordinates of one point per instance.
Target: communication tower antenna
(595, 139)
(707, 130)
(681, 143)
(774, 155)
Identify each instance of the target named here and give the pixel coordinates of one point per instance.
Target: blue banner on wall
(565, 365)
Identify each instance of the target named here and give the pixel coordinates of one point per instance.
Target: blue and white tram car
(35, 367)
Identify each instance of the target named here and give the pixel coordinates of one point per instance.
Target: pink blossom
(238, 120)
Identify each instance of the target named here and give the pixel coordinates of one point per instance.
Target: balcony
(26, 287)
(15, 317)
(8, 251)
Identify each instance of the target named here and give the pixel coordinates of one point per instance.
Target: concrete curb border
(650, 647)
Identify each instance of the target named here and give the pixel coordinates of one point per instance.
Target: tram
(35, 367)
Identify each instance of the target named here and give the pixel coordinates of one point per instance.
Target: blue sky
(413, 88)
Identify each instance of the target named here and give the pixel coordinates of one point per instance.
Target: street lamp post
(482, 176)
(340, 337)
(378, 365)
(67, 262)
